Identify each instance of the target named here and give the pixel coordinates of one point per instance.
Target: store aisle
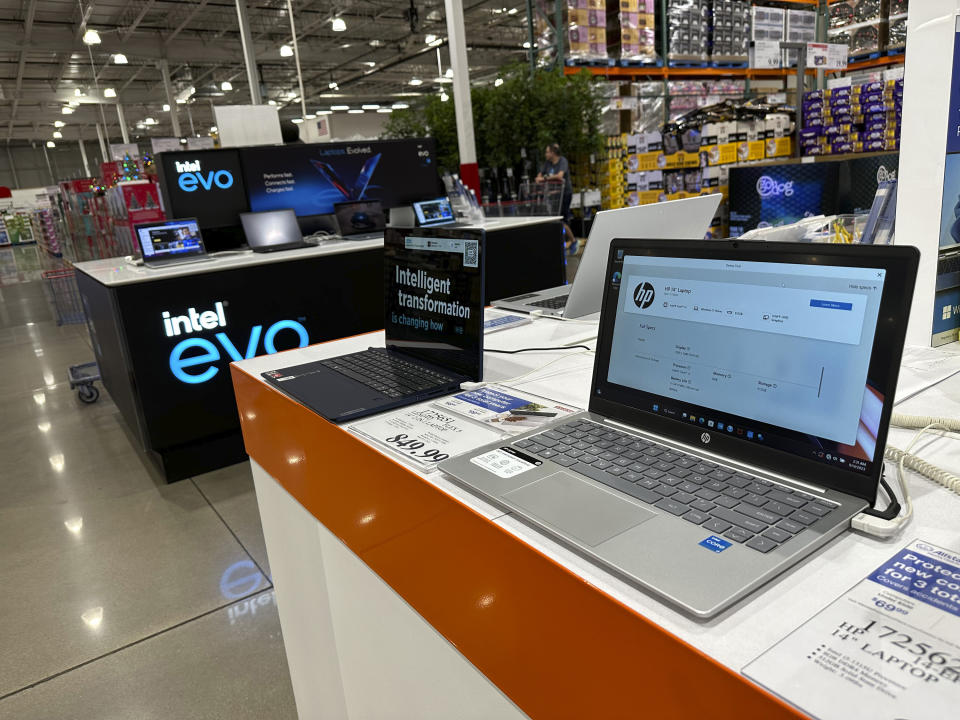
(123, 596)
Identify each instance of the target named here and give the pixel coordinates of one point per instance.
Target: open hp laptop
(272, 230)
(433, 326)
(170, 242)
(363, 220)
(737, 420)
(686, 219)
(430, 213)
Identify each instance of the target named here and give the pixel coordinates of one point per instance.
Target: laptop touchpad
(578, 508)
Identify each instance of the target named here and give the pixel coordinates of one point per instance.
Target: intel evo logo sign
(194, 359)
(192, 178)
(769, 187)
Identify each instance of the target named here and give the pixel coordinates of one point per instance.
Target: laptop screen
(271, 228)
(433, 212)
(170, 239)
(781, 353)
(435, 300)
(354, 218)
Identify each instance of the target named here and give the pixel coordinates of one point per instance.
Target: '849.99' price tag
(424, 435)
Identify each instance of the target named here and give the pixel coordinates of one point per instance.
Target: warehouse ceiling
(45, 65)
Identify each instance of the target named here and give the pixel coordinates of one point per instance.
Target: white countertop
(740, 634)
(119, 271)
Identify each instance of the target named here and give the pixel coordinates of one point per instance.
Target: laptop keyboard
(554, 303)
(384, 371)
(743, 508)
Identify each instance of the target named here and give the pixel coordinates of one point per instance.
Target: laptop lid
(435, 297)
(170, 240)
(271, 228)
(686, 219)
(783, 356)
(359, 218)
(433, 212)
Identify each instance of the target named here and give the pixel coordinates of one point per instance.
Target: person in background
(555, 167)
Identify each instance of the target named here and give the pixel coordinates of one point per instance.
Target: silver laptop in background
(737, 421)
(686, 219)
(272, 231)
(170, 242)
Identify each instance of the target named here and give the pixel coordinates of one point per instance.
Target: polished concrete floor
(122, 596)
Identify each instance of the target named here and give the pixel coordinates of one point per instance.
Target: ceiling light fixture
(310, 116)
(166, 107)
(354, 112)
(58, 123)
(109, 92)
(512, 11)
(339, 107)
(271, 102)
(66, 110)
(385, 110)
(286, 51)
(448, 73)
(91, 37)
(333, 85)
(119, 59)
(51, 144)
(416, 82)
(444, 97)
(73, 103)
(338, 25)
(370, 63)
(498, 82)
(226, 86)
(400, 106)
(371, 106)
(213, 128)
(78, 92)
(430, 39)
(57, 134)
(297, 120)
(149, 121)
(324, 112)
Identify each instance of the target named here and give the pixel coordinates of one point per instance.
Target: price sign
(424, 435)
(888, 648)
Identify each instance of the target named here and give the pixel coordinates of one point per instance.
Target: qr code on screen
(471, 253)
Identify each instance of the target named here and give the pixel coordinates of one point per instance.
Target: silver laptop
(170, 242)
(676, 219)
(272, 231)
(737, 420)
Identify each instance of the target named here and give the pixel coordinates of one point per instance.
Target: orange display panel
(555, 645)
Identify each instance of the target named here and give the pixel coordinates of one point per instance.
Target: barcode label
(471, 253)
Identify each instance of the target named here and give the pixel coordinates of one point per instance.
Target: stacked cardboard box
(611, 175)
(587, 29)
(637, 30)
(862, 118)
(688, 30)
(800, 26)
(859, 24)
(731, 31)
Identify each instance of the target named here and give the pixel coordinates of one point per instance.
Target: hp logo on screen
(643, 295)
(705, 438)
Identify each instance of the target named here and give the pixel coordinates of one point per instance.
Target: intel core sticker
(502, 464)
(715, 544)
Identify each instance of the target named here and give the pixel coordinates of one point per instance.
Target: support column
(103, 144)
(469, 172)
(296, 57)
(83, 156)
(46, 156)
(249, 55)
(13, 167)
(123, 124)
(171, 100)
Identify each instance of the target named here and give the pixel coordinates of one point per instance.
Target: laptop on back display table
(737, 420)
(272, 231)
(676, 219)
(170, 242)
(433, 280)
(362, 220)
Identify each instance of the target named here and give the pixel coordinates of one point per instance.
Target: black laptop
(360, 220)
(433, 279)
(272, 230)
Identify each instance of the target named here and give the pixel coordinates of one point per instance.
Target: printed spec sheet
(888, 648)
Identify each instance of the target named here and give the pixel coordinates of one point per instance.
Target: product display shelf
(881, 61)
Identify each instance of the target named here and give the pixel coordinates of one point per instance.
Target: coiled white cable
(887, 528)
